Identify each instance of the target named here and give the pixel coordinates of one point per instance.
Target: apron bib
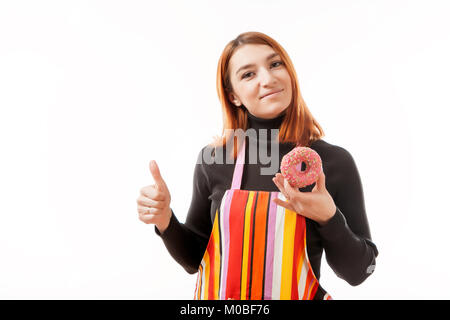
(256, 250)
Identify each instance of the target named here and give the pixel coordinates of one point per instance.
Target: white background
(91, 91)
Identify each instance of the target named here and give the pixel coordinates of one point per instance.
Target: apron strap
(239, 168)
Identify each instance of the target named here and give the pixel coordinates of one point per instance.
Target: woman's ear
(234, 99)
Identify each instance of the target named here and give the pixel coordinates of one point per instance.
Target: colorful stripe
(271, 222)
(236, 226)
(256, 250)
(288, 256)
(246, 246)
(278, 251)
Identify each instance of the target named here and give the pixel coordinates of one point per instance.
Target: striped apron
(256, 250)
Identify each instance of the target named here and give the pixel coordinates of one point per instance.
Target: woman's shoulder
(213, 160)
(210, 155)
(322, 144)
(328, 150)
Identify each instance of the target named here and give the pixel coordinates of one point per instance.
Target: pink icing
(291, 165)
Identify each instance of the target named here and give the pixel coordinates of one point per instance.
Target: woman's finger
(152, 192)
(148, 218)
(280, 187)
(289, 189)
(146, 210)
(147, 202)
(292, 192)
(282, 203)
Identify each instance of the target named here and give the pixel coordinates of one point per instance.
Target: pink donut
(291, 166)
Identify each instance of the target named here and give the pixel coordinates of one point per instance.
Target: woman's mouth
(275, 94)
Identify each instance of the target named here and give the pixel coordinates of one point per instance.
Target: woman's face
(266, 74)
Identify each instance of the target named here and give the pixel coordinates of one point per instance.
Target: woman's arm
(346, 236)
(186, 242)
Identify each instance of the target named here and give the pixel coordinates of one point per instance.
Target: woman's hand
(317, 205)
(154, 201)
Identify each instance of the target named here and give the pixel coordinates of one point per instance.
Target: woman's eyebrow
(252, 65)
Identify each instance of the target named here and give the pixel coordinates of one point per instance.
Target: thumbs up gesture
(154, 201)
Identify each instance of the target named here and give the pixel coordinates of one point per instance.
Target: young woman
(251, 235)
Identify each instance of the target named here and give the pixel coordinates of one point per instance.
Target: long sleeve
(346, 236)
(186, 242)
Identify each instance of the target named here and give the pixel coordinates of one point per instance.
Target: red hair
(298, 126)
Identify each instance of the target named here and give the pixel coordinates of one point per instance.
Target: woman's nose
(266, 77)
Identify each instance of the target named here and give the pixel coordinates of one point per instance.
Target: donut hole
(301, 166)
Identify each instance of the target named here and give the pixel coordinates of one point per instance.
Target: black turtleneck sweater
(345, 238)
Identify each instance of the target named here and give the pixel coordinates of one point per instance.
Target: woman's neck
(261, 123)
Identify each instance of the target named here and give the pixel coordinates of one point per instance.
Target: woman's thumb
(321, 182)
(154, 170)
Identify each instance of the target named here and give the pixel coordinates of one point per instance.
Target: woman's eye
(277, 62)
(248, 73)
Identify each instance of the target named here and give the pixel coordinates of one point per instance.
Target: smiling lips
(271, 93)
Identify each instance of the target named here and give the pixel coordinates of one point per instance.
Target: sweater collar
(261, 123)
(264, 126)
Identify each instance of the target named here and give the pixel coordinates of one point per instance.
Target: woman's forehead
(250, 54)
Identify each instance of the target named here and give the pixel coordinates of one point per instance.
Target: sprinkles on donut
(291, 167)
